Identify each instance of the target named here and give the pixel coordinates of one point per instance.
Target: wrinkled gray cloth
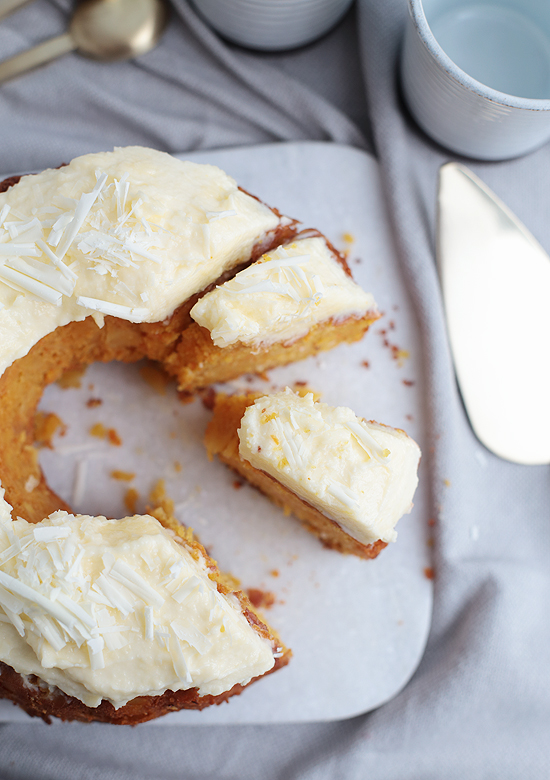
(479, 704)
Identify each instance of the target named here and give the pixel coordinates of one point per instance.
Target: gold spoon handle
(8, 6)
(38, 55)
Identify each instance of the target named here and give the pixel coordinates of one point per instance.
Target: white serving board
(357, 628)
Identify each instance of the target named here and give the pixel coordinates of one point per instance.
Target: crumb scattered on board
(159, 498)
(46, 424)
(398, 354)
(101, 432)
(91, 403)
(348, 240)
(260, 599)
(131, 498)
(123, 476)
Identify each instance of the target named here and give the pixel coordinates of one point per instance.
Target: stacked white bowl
(272, 25)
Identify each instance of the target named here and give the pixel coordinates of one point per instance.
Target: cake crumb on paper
(101, 432)
(130, 500)
(123, 476)
(159, 498)
(46, 424)
(260, 599)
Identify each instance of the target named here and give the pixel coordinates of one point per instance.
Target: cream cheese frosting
(360, 474)
(282, 296)
(114, 609)
(132, 233)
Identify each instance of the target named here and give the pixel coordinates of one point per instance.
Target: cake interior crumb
(72, 378)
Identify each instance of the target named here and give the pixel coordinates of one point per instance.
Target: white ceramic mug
(272, 25)
(476, 75)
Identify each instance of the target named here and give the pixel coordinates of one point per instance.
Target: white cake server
(496, 288)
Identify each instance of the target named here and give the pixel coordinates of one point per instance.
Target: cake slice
(347, 480)
(121, 620)
(293, 302)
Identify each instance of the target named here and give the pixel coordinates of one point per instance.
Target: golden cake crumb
(130, 500)
(123, 476)
(46, 424)
(260, 599)
(98, 430)
(101, 432)
(158, 498)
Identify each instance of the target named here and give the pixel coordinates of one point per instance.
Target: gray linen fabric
(479, 704)
(192, 92)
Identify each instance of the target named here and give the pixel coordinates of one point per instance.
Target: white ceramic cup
(272, 25)
(476, 75)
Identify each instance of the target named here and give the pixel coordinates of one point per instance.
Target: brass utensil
(106, 30)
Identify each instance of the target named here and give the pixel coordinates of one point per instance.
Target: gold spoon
(106, 30)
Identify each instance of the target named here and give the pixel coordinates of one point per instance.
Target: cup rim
(418, 16)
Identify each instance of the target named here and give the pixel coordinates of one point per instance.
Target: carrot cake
(100, 260)
(348, 481)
